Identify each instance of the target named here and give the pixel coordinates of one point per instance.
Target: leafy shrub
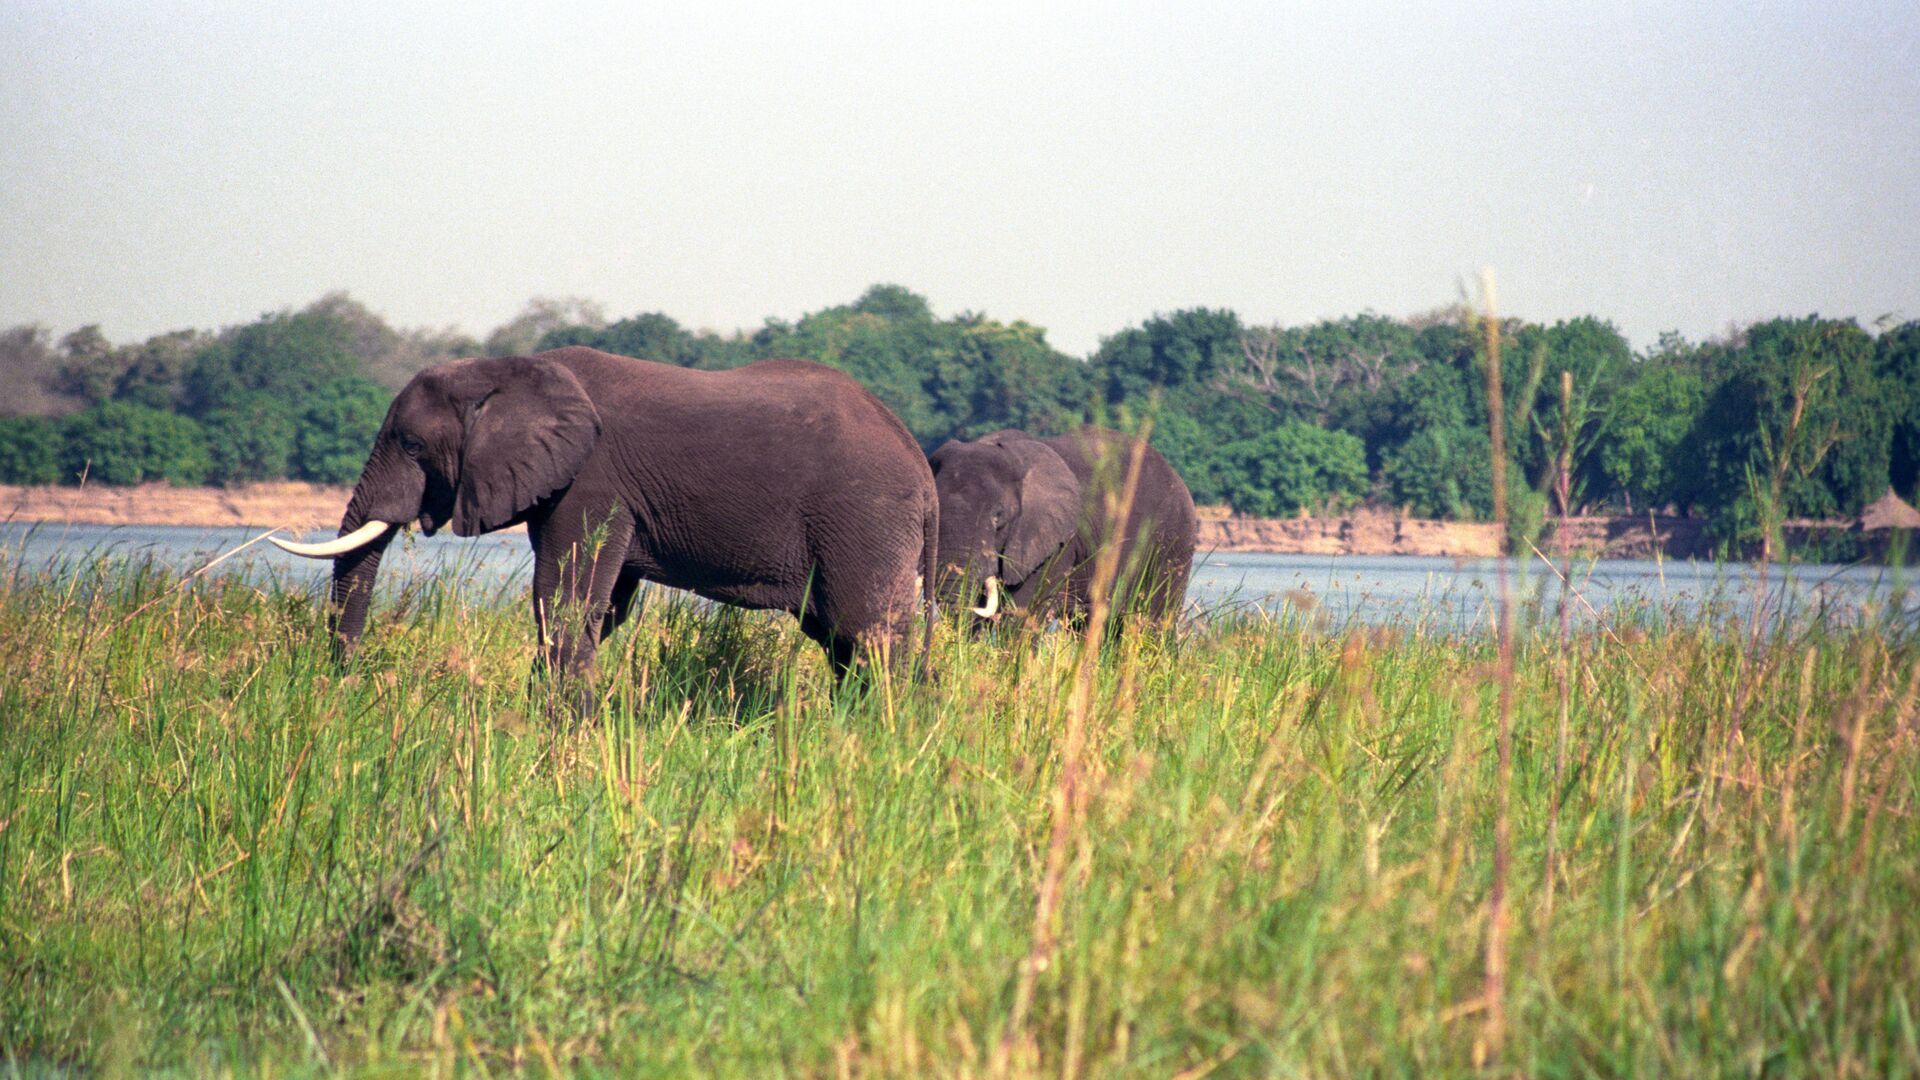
(251, 439)
(1442, 472)
(121, 443)
(1294, 467)
(283, 356)
(29, 450)
(1639, 453)
(337, 428)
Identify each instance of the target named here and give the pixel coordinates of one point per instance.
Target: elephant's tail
(929, 557)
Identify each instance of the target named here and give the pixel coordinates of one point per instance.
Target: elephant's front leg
(574, 577)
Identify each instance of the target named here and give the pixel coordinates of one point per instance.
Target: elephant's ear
(525, 439)
(1049, 511)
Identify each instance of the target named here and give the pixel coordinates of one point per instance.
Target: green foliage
(1293, 467)
(1168, 353)
(29, 450)
(1187, 445)
(951, 378)
(894, 303)
(1593, 356)
(1649, 421)
(1832, 460)
(153, 371)
(1433, 396)
(380, 352)
(1897, 360)
(887, 345)
(93, 370)
(1442, 472)
(1687, 425)
(989, 375)
(249, 439)
(284, 356)
(121, 443)
(1194, 430)
(1349, 374)
(337, 429)
(1526, 517)
(90, 366)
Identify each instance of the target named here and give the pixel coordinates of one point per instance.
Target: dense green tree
(1589, 356)
(986, 375)
(894, 303)
(888, 346)
(1264, 418)
(1192, 451)
(152, 372)
(1430, 396)
(1169, 353)
(1442, 472)
(250, 439)
(29, 450)
(1800, 417)
(120, 443)
(1195, 428)
(1639, 454)
(1293, 467)
(90, 366)
(1897, 360)
(337, 428)
(949, 378)
(1337, 373)
(284, 356)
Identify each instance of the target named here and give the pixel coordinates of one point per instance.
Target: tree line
(1791, 417)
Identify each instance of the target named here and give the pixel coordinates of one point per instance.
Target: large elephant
(782, 484)
(1021, 518)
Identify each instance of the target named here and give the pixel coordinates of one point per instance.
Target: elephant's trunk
(354, 572)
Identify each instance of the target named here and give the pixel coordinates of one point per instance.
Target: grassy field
(1250, 848)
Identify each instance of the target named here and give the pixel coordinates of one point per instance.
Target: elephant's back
(1098, 455)
(759, 442)
(835, 393)
(774, 400)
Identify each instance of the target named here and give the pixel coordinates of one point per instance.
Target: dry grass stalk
(1495, 993)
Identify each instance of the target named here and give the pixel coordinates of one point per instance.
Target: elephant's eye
(414, 447)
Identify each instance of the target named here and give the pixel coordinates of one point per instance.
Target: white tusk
(993, 600)
(340, 545)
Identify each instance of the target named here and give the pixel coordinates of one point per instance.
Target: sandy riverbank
(314, 508)
(298, 507)
(1365, 532)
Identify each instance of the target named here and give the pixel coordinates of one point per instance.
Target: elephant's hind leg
(843, 650)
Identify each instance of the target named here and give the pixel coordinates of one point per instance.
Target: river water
(1445, 595)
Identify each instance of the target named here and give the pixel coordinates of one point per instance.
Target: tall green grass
(220, 854)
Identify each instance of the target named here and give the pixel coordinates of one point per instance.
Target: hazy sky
(1667, 166)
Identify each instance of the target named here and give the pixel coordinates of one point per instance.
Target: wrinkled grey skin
(1034, 513)
(780, 485)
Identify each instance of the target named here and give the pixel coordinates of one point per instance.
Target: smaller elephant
(1022, 518)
